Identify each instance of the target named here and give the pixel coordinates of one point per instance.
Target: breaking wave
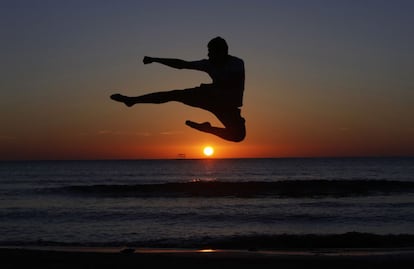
(298, 188)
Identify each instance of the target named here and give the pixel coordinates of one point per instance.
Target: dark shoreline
(30, 258)
(349, 250)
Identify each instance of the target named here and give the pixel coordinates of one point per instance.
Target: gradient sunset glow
(323, 78)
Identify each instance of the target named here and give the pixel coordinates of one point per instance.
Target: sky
(323, 78)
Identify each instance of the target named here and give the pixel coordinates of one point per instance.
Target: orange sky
(322, 78)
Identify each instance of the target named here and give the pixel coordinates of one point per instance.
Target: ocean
(205, 202)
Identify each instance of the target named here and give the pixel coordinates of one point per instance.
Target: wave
(250, 189)
(251, 242)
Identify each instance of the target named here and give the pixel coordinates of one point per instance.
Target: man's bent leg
(234, 130)
(234, 134)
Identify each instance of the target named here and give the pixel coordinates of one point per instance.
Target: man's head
(217, 49)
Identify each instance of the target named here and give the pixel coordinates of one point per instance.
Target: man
(223, 97)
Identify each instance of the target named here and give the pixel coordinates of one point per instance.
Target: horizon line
(213, 158)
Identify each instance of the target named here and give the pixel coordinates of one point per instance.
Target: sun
(208, 151)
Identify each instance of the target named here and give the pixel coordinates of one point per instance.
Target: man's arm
(174, 63)
(201, 65)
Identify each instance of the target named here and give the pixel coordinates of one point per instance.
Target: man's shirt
(228, 77)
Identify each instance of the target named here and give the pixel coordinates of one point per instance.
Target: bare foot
(123, 99)
(205, 126)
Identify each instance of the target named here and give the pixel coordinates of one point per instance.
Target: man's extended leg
(151, 98)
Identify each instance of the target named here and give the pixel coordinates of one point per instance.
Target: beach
(115, 258)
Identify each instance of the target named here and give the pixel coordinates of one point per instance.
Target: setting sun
(208, 151)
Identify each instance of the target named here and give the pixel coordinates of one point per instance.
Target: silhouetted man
(223, 97)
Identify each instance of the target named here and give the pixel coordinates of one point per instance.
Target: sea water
(184, 202)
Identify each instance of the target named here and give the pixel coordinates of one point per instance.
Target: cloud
(123, 133)
(115, 133)
(171, 133)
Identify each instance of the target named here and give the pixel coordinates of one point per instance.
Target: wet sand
(72, 257)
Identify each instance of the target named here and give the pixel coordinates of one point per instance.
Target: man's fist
(148, 60)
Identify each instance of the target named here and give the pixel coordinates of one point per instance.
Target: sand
(67, 257)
